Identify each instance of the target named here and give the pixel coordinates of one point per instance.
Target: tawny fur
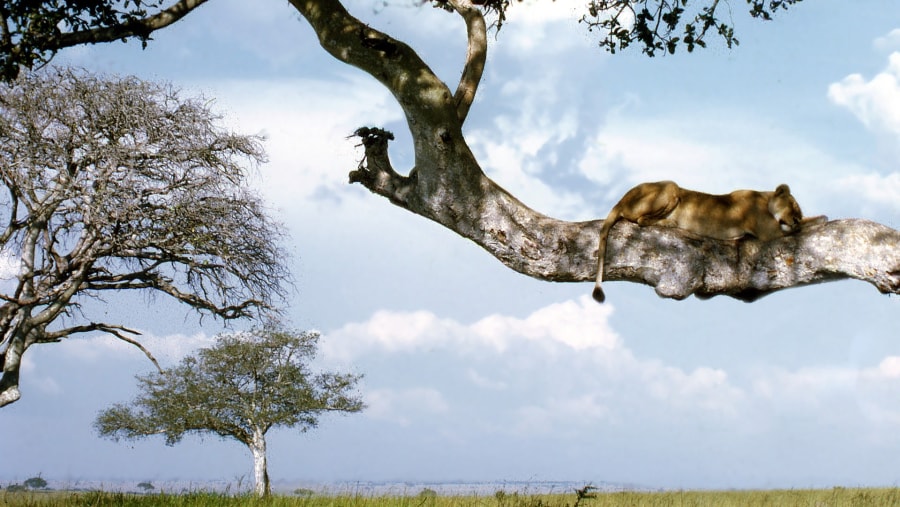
(740, 214)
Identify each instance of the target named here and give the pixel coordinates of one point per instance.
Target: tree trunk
(257, 446)
(10, 363)
(448, 186)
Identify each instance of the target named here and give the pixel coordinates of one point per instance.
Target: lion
(741, 214)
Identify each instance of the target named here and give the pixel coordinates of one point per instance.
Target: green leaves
(664, 25)
(30, 27)
(247, 382)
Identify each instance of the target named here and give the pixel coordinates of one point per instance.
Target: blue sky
(474, 372)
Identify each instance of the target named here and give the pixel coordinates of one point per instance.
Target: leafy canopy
(662, 25)
(247, 382)
(32, 31)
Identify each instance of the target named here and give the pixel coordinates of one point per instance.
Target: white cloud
(873, 189)
(563, 369)
(520, 148)
(888, 42)
(579, 325)
(561, 362)
(483, 381)
(717, 151)
(726, 150)
(575, 325)
(537, 29)
(835, 394)
(306, 123)
(876, 102)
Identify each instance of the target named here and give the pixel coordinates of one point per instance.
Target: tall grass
(838, 497)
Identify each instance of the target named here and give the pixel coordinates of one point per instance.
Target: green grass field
(807, 498)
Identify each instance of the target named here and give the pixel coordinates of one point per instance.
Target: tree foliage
(240, 388)
(33, 31)
(35, 482)
(117, 184)
(663, 25)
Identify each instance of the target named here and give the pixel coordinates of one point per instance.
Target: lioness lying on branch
(743, 213)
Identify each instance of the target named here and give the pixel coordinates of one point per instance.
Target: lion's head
(785, 209)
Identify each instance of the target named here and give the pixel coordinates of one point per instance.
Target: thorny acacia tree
(447, 184)
(240, 388)
(121, 184)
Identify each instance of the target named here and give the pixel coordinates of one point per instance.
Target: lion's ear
(783, 189)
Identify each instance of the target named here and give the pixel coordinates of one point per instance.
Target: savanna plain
(817, 498)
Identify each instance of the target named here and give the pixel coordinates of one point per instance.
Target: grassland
(837, 497)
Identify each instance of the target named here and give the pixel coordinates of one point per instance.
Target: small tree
(36, 483)
(115, 184)
(240, 388)
(146, 486)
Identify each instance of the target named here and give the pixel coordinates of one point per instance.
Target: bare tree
(240, 388)
(115, 184)
(449, 187)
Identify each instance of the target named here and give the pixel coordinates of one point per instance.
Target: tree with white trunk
(244, 385)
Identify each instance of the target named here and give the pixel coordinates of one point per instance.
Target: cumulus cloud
(577, 325)
(538, 28)
(562, 362)
(889, 41)
(524, 147)
(726, 150)
(876, 190)
(721, 151)
(563, 370)
(306, 123)
(837, 395)
(875, 102)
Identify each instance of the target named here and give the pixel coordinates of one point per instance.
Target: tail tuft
(598, 294)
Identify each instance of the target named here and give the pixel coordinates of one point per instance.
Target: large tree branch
(136, 28)
(421, 94)
(476, 55)
(676, 263)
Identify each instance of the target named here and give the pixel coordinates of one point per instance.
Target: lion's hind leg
(645, 204)
(654, 204)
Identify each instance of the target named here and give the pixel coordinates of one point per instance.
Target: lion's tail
(610, 221)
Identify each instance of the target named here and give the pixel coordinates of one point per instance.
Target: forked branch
(476, 55)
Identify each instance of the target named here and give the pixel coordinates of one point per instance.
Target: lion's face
(785, 209)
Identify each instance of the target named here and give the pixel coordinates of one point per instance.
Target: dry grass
(838, 497)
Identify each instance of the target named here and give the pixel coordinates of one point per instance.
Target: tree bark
(448, 186)
(257, 446)
(10, 363)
